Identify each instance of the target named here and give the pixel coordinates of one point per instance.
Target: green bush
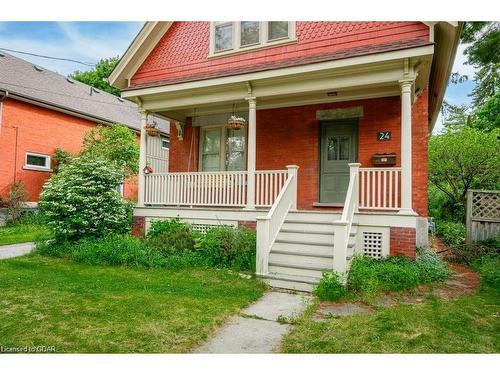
(452, 233)
(172, 236)
(329, 287)
(489, 271)
(368, 276)
(32, 218)
(112, 250)
(81, 200)
(228, 247)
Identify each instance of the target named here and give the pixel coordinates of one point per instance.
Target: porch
(302, 171)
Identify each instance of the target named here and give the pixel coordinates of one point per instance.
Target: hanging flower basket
(236, 123)
(152, 130)
(148, 169)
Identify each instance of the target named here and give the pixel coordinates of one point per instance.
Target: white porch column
(252, 131)
(142, 160)
(406, 138)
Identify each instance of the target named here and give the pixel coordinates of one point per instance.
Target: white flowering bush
(81, 200)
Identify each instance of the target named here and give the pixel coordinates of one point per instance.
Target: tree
(484, 54)
(455, 116)
(461, 160)
(487, 117)
(115, 143)
(81, 200)
(98, 76)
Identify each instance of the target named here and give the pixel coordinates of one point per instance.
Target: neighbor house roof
(25, 81)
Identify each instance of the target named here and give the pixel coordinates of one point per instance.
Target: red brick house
(327, 156)
(41, 110)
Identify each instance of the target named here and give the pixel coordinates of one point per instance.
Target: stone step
(296, 283)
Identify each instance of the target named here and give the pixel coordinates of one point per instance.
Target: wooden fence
(482, 215)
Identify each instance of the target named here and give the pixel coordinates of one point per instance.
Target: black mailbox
(384, 160)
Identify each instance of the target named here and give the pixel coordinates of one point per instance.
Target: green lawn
(23, 233)
(96, 309)
(470, 324)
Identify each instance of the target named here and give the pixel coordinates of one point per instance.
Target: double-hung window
(223, 36)
(222, 149)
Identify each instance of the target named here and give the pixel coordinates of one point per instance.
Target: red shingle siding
(291, 136)
(40, 130)
(183, 51)
(403, 242)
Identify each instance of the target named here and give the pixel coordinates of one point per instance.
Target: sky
(89, 42)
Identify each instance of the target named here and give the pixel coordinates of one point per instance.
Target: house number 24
(384, 136)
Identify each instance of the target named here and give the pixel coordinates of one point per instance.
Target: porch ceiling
(307, 85)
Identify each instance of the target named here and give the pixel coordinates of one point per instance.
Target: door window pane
(235, 150)
(344, 148)
(332, 148)
(277, 30)
(249, 33)
(223, 36)
(210, 150)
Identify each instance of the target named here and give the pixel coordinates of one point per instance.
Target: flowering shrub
(81, 200)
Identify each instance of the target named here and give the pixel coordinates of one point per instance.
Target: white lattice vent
(372, 244)
(203, 227)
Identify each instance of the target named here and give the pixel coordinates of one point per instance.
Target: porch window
(223, 36)
(277, 30)
(250, 33)
(222, 149)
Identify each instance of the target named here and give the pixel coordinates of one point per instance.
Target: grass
(81, 308)
(469, 324)
(18, 233)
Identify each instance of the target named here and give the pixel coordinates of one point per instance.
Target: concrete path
(260, 327)
(18, 249)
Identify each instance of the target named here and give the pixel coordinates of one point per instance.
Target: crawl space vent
(372, 244)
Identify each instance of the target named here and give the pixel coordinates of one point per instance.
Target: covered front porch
(331, 141)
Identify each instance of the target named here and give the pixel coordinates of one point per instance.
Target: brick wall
(184, 50)
(403, 242)
(39, 130)
(291, 136)
(138, 226)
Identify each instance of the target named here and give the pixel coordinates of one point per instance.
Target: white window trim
(164, 139)
(222, 153)
(37, 167)
(264, 42)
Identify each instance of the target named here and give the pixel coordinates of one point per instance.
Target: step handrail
(269, 226)
(342, 229)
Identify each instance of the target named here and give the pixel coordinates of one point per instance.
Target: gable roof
(25, 81)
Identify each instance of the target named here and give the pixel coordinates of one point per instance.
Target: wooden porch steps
(303, 250)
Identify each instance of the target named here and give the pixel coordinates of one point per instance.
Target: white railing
(380, 188)
(269, 226)
(221, 189)
(342, 228)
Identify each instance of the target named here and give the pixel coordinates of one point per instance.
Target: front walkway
(260, 327)
(15, 250)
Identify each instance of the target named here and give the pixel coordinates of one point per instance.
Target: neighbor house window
(232, 37)
(222, 149)
(223, 36)
(277, 30)
(250, 33)
(36, 161)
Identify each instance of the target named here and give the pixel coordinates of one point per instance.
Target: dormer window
(277, 30)
(223, 36)
(250, 33)
(234, 37)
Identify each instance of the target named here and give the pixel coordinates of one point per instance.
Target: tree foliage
(487, 118)
(483, 53)
(114, 143)
(464, 159)
(81, 200)
(98, 76)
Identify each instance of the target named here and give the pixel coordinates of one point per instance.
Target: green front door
(339, 147)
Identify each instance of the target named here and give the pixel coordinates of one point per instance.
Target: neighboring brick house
(41, 110)
(327, 154)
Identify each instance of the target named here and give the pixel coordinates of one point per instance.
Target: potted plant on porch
(152, 129)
